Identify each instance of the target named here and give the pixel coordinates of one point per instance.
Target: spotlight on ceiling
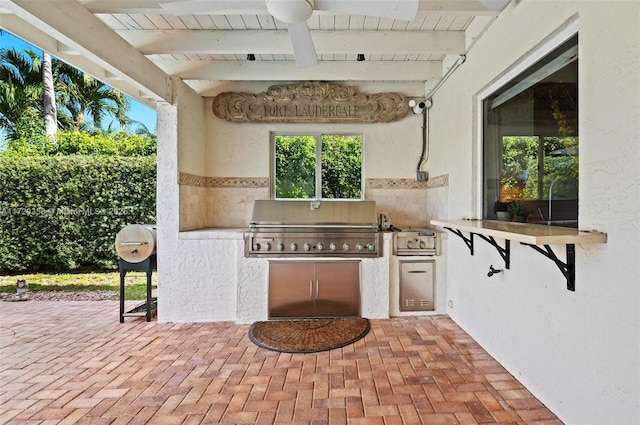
(360, 57)
(251, 57)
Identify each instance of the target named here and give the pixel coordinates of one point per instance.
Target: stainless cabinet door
(337, 289)
(416, 285)
(313, 289)
(291, 289)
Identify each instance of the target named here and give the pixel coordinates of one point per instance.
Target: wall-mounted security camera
(419, 107)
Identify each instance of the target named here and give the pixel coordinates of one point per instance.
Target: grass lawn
(135, 282)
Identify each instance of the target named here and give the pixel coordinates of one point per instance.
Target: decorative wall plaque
(311, 101)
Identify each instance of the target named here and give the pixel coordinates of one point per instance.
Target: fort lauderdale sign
(312, 101)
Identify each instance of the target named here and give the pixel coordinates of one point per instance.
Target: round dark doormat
(308, 335)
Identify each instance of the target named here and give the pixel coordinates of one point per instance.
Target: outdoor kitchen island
(235, 287)
(239, 285)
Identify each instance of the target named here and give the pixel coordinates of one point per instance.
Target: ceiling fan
(296, 12)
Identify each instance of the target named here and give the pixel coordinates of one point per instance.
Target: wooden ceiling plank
(158, 20)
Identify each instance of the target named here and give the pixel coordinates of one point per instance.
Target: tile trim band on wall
(187, 179)
(239, 182)
(394, 184)
(438, 181)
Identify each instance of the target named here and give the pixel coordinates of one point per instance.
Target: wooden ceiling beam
(287, 71)
(216, 42)
(432, 7)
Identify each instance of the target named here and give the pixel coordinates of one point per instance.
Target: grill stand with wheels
(149, 308)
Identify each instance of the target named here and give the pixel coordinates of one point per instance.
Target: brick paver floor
(66, 362)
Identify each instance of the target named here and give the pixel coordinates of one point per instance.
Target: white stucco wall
(190, 131)
(193, 278)
(578, 352)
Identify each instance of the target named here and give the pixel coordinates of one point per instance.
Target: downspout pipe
(422, 175)
(422, 108)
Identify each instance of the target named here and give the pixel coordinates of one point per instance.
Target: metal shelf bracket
(568, 269)
(538, 237)
(505, 252)
(468, 241)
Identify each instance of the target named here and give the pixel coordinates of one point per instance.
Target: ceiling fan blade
(194, 7)
(393, 9)
(303, 46)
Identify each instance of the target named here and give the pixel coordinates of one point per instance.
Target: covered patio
(65, 362)
(567, 329)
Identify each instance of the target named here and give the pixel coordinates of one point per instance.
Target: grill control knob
(280, 246)
(256, 247)
(359, 247)
(346, 247)
(409, 244)
(422, 245)
(333, 246)
(293, 246)
(307, 246)
(320, 247)
(371, 247)
(267, 246)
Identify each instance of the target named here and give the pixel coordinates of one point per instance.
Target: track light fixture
(360, 57)
(251, 57)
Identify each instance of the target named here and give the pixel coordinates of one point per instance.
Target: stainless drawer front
(416, 285)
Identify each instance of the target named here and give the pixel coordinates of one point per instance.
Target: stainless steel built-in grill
(313, 229)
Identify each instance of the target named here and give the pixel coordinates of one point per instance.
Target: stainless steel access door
(416, 285)
(314, 289)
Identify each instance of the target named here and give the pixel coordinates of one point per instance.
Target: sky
(138, 111)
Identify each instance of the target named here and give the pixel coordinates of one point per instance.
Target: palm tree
(26, 90)
(49, 109)
(81, 96)
(20, 91)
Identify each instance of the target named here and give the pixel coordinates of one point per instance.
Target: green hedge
(82, 143)
(63, 212)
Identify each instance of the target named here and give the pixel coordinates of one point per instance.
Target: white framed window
(317, 166)
(530, 140)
